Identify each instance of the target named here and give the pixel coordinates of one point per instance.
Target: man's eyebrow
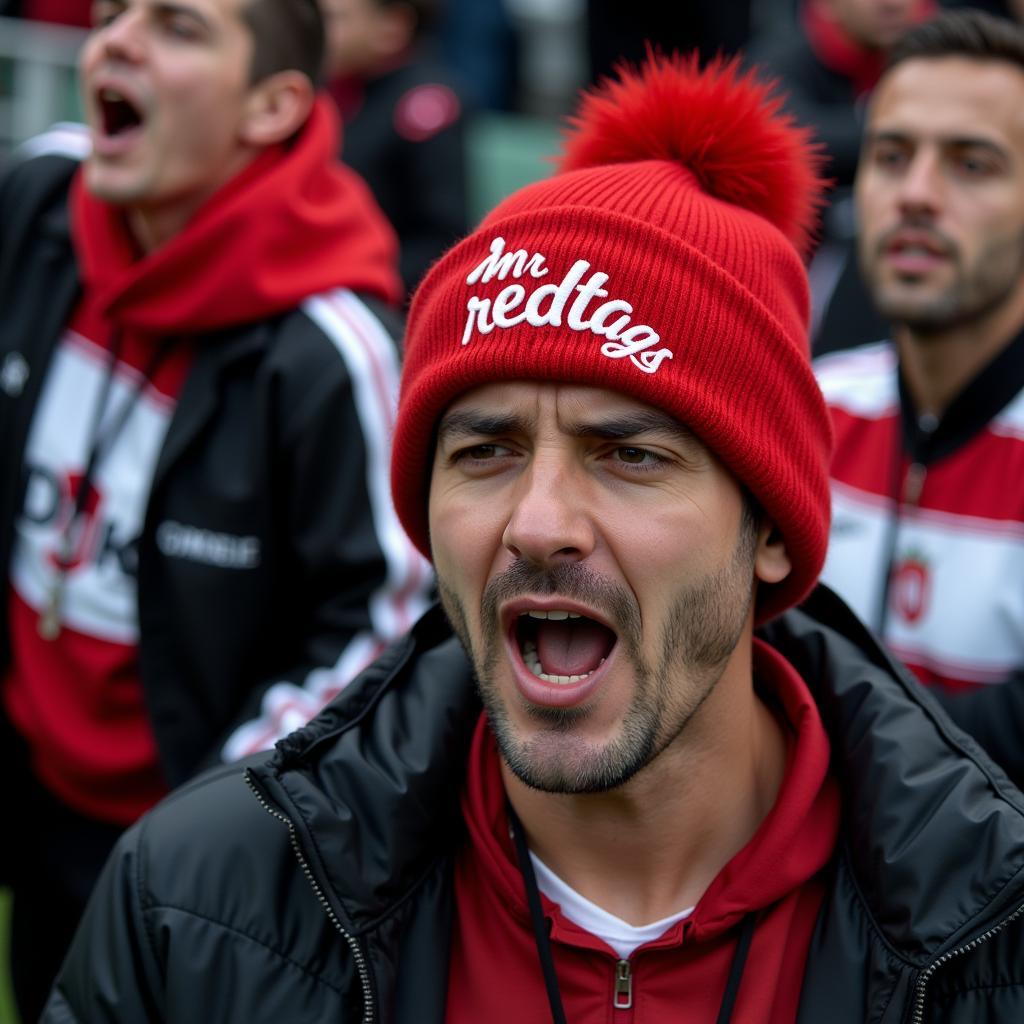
(631, 424)
(955, 141)
(885, 135)
(171, 9)
(477, 423)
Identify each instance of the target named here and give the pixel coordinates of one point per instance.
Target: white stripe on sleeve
(372, 364)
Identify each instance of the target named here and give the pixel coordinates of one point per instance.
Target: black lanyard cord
(542, 929)
(541, 926)
(101, 443)
(739, 961)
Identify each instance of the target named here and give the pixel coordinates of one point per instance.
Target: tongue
(571, 647)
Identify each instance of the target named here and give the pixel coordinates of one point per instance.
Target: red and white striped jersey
(927, 541)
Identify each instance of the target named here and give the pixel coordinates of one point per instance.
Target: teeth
(110, 94)
(557, 615)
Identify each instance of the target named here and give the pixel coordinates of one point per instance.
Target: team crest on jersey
(911, 586)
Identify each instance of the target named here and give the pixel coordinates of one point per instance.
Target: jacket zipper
(917, 1013)
(352, 942)
(622, 999)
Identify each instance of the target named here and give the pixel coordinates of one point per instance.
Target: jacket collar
(969, 413)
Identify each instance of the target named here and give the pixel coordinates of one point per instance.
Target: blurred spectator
(846, 316)
(826, 64)
(61, 12)
(404, 121)
(927, 539)
(197, 378)
(479, 42)
(830, 63)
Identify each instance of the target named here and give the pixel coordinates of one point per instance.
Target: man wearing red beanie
(618, 777)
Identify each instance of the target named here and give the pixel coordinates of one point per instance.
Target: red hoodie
(495, 974)
(294, 223)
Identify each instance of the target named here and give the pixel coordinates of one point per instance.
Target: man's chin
(104, 184)
(552, 757)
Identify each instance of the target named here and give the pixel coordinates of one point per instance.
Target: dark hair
(961, 33)
(287, 35)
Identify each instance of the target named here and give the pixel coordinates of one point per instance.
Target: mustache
(567, 579)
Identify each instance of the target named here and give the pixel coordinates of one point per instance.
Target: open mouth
(117, 113)
(561, 646)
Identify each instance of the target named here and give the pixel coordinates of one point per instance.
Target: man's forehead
(950, 98)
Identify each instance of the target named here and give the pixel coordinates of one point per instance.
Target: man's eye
(890, 158)
(184, 28)
(480, 453)
(975, 167)
(640, 458)
(634, 456)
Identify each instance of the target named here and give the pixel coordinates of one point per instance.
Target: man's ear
(771, 560)
(277, 107)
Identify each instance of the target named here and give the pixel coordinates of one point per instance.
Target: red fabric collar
(294, 223)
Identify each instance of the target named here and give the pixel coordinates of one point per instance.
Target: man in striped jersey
(927, 538)
(196, 393)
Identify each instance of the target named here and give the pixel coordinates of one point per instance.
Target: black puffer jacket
(317, 887)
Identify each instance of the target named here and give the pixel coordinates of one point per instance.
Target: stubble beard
(974, 293)
(704, 626)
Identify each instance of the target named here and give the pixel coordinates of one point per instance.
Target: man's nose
(550, 519)
(122, 37)
(921, 186)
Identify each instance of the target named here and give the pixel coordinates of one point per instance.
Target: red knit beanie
(661, 262)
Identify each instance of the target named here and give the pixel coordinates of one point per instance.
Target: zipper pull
(623, 997)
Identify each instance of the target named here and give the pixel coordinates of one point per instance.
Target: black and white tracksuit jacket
(277, 446)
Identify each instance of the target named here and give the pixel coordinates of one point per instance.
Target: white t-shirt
(623, 937)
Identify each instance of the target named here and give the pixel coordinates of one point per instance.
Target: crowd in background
(404, 84)
(409, 77)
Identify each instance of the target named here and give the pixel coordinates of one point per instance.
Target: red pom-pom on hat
(721, 123)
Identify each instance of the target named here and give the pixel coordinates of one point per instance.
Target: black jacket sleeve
(354, 579)
(994, 716)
